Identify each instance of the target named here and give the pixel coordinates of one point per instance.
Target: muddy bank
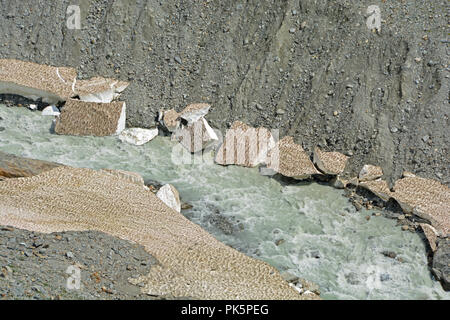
(309, 68)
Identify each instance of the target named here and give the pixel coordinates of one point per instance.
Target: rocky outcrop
(81, 118)
(34, 81)
(332, 163)
(245, 146)
(290, 160)
(98, 89)
(378, 187)
(170, 196)
(441, 263)
(12, 166)
(55, 84)
(138, 136)
(192, 262)
(425, 198)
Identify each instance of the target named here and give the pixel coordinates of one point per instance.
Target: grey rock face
(441, 263)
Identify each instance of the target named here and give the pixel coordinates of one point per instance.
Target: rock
(245, 146)
(69, 255)
(289, 277)
(99, 90)
(170, 196)
(34, 81)
(378, 187)
(290, 160)
(194, 112)
(186, 206)
(309, 286)
(431, 234)
(385, 277)
(370, 172)
(352, 278)
(389, 254)
(425, 198)
(138, 136)
(338, 182)
(405, 227)
(177, 59)
(32, 107)
(15, 167)
(170, 119)
(441, 263)
(330, 162)
(51, 111)
(223, 223)
(91, 119)
(196, 137)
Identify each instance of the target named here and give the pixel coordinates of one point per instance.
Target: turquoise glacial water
(319, 234)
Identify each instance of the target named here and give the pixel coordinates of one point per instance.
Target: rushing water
(320, 236)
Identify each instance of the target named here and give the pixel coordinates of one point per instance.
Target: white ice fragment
(170, 196)
(51, 111)
(138, 136)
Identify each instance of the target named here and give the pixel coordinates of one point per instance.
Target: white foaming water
(320, 237)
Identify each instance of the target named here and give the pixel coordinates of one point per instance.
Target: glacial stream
(309, 230)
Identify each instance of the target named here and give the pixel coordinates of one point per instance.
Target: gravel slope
(33, 265)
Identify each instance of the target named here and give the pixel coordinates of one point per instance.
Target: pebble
(385, 277)
(292, 30)
(177, 59)
(389, 254)
(69, 255)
